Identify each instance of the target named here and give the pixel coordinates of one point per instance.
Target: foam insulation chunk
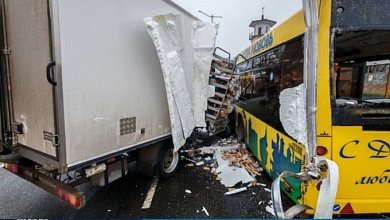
(166, 33)
(203, 41)
(293, 113)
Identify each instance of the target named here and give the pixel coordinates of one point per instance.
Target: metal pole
(211, 16)
(8, 93)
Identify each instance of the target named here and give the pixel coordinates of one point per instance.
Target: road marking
(149, 196)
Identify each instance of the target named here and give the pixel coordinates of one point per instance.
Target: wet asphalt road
(124, 198)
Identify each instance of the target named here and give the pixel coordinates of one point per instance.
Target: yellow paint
(363, 160)
(293, 153)
(324, 120)
(387, 85)
(283, 32)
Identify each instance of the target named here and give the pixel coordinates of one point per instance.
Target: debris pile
(243, 158)
(232, 163)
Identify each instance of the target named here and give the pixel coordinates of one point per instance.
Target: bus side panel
(276, 152)
(364, 166)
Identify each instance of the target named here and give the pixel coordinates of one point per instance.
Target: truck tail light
(74, 200)
(11, 167)
(321, 150)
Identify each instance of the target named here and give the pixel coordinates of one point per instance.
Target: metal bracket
(7, 51)
(53, 138)
(17, 128)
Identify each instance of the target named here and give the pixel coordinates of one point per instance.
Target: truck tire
(168, 161)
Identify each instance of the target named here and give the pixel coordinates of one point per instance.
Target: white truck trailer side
(81, 84)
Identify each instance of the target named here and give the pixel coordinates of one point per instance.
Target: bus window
(376, 80)
(292, 65)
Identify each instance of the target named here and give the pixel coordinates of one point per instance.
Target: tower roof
(262, 21)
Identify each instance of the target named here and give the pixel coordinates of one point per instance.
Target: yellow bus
(352, 102)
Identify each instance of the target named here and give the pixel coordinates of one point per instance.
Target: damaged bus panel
(345, 86)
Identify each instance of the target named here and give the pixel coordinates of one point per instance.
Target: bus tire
(240, 130)
(228, 131)
(168, 161)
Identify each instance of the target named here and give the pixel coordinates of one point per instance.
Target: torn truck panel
(203, 41)
(293, 113)
(165, 31)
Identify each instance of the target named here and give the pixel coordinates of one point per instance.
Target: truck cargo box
(84, 77)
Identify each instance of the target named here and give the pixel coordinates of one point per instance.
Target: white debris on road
(205, 211)
(1, 165)
(231, 175)
(231, 162)
(188, 191)
(270, 209)
(236, 191)
(199, 163)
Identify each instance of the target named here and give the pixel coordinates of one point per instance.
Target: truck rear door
(29, 40)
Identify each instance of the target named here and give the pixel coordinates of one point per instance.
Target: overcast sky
(233, 33)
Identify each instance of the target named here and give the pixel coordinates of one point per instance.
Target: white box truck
(82, 92)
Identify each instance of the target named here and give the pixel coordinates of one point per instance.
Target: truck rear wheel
(168, 161)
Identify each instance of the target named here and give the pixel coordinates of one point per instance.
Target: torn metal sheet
(328, 191)
(203, 40)
(165, 31)
(277, 198)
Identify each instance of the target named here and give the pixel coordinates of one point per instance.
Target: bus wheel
(168, 161)
(240, 130)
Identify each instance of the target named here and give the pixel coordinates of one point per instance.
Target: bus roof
(287, 30)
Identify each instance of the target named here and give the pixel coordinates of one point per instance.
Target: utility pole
(210, 16)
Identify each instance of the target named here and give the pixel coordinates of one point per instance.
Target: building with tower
(260, 27)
